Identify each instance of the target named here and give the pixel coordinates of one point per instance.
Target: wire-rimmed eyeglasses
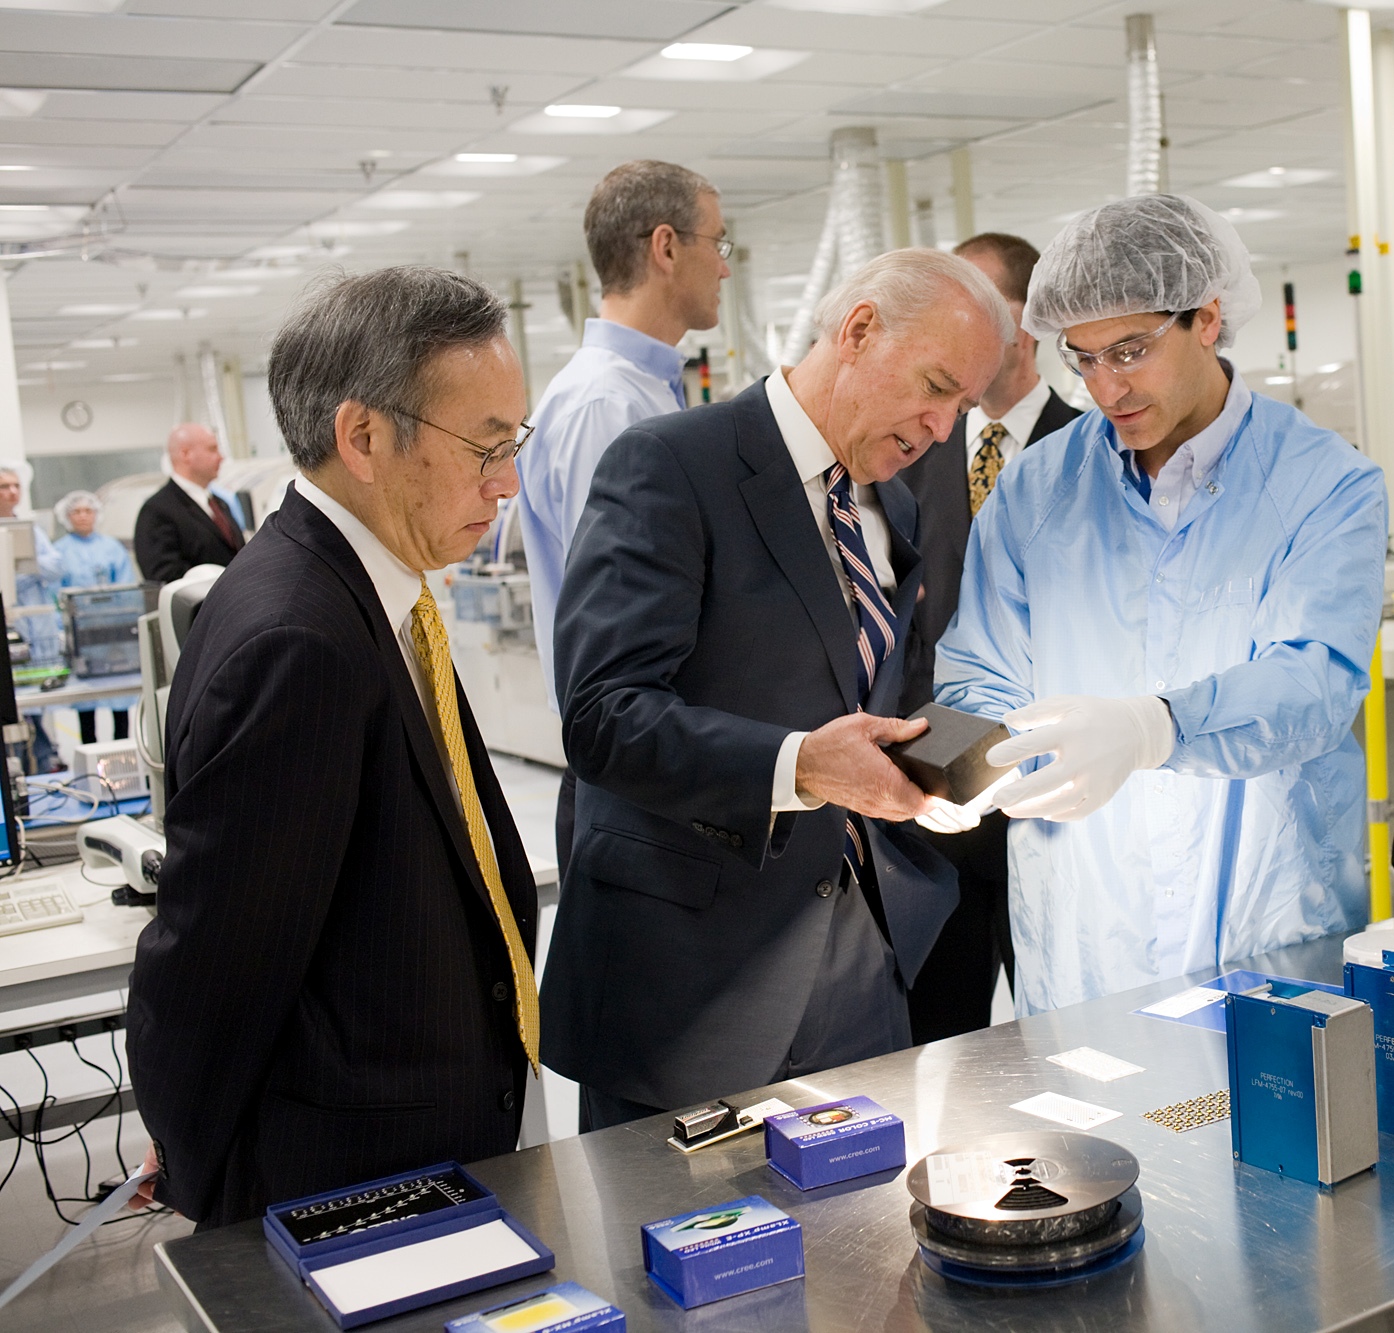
(490, 459)
(1121, 358)
(724, 245)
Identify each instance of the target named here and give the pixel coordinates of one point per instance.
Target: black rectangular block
(948, 760)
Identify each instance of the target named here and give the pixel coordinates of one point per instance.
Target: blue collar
(657, 358)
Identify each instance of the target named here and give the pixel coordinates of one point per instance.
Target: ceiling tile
(651, 20)
(120, 35)
(132, 73)
(758, 25)
(477, 51)
(462, 117)
(416, 85)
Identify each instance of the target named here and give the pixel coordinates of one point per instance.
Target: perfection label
(963, 1177)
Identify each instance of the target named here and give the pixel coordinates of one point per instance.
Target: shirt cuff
(785, 797)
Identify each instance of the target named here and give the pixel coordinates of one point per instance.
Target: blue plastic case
(336, 1227)
(713, 1253)
(822, 1145)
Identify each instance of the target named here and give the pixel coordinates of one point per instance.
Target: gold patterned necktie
(987, 464)
(433, 652)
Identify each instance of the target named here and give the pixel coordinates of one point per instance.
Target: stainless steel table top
(1228, 1246)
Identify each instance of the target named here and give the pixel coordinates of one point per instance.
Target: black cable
(19, 1141)
(116, 1091)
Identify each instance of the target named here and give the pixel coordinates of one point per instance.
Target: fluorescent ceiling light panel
(15, 167)
(275, 252)
(1275, 178)
(629, 121)
(128, 377)
(414, 200)
(759, 64)
(581, 111)
(16, 103)
(96, 310)
(215, 292)
(1239, 216)
(255, 273)
(334, 229)
(1330, 368)
(101, 344)
(705, 51)
(882, 7)
(66, 6)
(56, 365)
(494, 164)
(166, 314)
(1277, 379)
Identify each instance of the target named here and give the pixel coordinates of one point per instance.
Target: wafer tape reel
(1035, 1209)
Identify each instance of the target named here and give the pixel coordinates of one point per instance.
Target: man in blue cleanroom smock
(1177, 597)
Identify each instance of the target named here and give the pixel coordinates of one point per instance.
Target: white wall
(124, 416)
(1325, 320)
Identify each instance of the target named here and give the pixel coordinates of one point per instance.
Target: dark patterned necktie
(222, 519)
(875, 619)
(987, 465)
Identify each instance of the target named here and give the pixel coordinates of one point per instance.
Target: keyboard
(35, 905)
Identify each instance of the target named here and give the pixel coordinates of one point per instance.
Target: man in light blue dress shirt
(657, 239)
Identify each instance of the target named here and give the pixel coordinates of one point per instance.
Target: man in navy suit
(729, 642)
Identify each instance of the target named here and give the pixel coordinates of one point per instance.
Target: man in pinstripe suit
(337, 984)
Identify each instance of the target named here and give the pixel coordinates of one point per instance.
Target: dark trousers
(566, 825)
(953, 992)
(87, 724)
(857, 1010)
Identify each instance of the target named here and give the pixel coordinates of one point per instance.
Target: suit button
(736, 840)
(506, 1101)
(824, 889)
(500, 991)
(698, 827)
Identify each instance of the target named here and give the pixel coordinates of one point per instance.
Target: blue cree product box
(1375, 985)
(717, 1252)
(821, 1145)
(567, 1308)
(1302, 1083)
(402, 1242)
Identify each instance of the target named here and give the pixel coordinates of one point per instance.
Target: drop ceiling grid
(292, 141)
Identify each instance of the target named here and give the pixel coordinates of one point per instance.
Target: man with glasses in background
(658, 242)
(1177, 597)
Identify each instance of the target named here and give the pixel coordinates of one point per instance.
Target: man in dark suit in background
(728, 655)
(184, 524)
(953, 993)
(337, 984)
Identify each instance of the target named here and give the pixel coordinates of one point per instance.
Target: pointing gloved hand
(945, 817)
(1096, 742)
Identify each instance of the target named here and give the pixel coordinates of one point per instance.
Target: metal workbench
(1228, 1246)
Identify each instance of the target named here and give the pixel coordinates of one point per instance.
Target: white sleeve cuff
(784, 796)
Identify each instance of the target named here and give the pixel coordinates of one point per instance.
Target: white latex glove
(1097, 743)
(946, 817)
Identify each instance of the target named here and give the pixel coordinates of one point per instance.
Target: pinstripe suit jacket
(324, 995)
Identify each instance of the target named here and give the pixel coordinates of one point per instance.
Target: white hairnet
(75, 500)
(1161, 252)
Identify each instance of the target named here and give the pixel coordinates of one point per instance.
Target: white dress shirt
(1019, 424)
(198, 494)
(398, 588)
(812, 457)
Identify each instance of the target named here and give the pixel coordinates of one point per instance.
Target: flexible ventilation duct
(1144, 108)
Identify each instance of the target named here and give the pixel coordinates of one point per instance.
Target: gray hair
(626, 207)
(75, 500)
(7, 470)
(904, 283)
(372, 339)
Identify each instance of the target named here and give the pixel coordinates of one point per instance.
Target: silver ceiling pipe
(1145, 142)
(213, 396)
(852, 229)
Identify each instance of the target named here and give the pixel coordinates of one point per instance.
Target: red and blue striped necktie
(875, 619)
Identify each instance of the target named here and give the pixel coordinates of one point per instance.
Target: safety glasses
(1122, 357)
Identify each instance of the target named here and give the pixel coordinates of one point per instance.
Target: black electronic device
(100, 627)
(390, 1201)
(948, 759)
(10, 853)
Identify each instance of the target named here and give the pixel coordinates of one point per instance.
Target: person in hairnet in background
(92, 559)
(1174, 602)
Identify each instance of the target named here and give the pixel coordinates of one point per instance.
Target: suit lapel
(303, 523)
(778, 505)
(191, 506)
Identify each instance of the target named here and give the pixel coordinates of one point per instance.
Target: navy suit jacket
(700, 621)
(324, 995)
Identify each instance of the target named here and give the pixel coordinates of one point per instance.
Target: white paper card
(1187, 1002)
(1094, 1064)
(1066, 1110)
(961, 1177)
(409, 1270)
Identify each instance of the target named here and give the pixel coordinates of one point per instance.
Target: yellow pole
(1377, 788)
